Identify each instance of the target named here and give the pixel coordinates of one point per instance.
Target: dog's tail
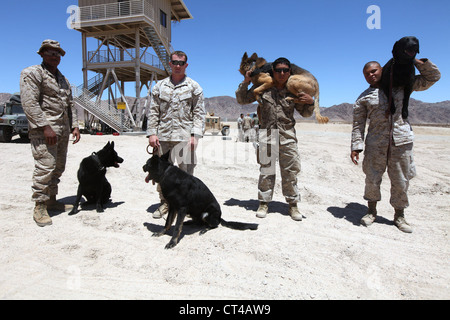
(238, 225)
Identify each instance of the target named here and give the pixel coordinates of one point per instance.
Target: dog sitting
(300, 81)
(400, 72)
(93, 184)
(186, 195)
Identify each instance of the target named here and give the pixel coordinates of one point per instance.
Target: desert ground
(328, 255)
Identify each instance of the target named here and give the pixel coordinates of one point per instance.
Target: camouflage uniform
(277, 140)
(389, 140)
(47, 100)
(177, 112)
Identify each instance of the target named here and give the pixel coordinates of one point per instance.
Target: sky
(330, 38)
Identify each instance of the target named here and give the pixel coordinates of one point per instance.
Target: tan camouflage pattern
(47, 100)
(389, 140)
(399, 162)
(247, 123)
(269, 151)
(277, 139)
(176, 111)
(275, 111)
(50, 163)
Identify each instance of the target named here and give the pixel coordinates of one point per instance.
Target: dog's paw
(171, 244)
(73, 211)
(157, 234)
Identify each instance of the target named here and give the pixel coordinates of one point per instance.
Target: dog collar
(97, 160)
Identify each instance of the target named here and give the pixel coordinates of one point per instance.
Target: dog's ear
(112, 144)
(260, 62)
(254, 56)
(245, 56)
(394, 49)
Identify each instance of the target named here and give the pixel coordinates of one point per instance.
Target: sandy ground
(328, 255)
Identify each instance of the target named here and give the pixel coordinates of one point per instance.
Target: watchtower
(133, 45)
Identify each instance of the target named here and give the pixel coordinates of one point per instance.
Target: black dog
(186, 195)
(400, 72)
(92, 177)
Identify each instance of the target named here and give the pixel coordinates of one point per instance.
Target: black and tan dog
(186, 195)
(300, 81)
(400, 72)
(93, 184)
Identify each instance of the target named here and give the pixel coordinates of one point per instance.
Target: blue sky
(330, 38)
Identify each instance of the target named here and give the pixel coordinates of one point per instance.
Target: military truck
(214, 125)
(13, 120)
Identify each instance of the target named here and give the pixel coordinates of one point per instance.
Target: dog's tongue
(410, 53)
(147, 179)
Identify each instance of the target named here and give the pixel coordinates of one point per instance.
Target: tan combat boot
(371, 215)
(161, 211)
(54, 205)
(294, 212)
(262, 210)
(400, 222)
(40, 215)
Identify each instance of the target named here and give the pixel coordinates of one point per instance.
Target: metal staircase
(87, 99)
(159, 47)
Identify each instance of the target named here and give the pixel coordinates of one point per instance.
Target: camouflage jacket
(275, 111)
(176, 111)
(47, 100)
(372, 105)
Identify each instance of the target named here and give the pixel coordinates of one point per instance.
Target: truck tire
(225, 130)
(6, 134)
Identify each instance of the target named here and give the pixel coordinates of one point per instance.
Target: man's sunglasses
(279, 70)
(51, 53)
(178, 63)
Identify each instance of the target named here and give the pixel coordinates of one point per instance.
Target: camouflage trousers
(400, 167)
(180, 153)
(49, 165)
(289, 160)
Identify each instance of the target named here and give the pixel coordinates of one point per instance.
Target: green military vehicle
(13, 120)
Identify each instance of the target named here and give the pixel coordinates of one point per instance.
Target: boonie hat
(51, 44)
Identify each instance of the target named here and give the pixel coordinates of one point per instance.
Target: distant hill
(227, 107)
(419, 112)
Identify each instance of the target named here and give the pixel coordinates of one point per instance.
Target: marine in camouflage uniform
(277, 140)
(176, 118)
(389, 141)
(47, 102)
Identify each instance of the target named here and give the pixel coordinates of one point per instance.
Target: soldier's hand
(50, 136)
(355, 157)
(76, 135)
(153, 141)
(305, 98)
(247, 78)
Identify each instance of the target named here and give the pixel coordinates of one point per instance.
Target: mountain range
(419, 112)
(227, 107)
